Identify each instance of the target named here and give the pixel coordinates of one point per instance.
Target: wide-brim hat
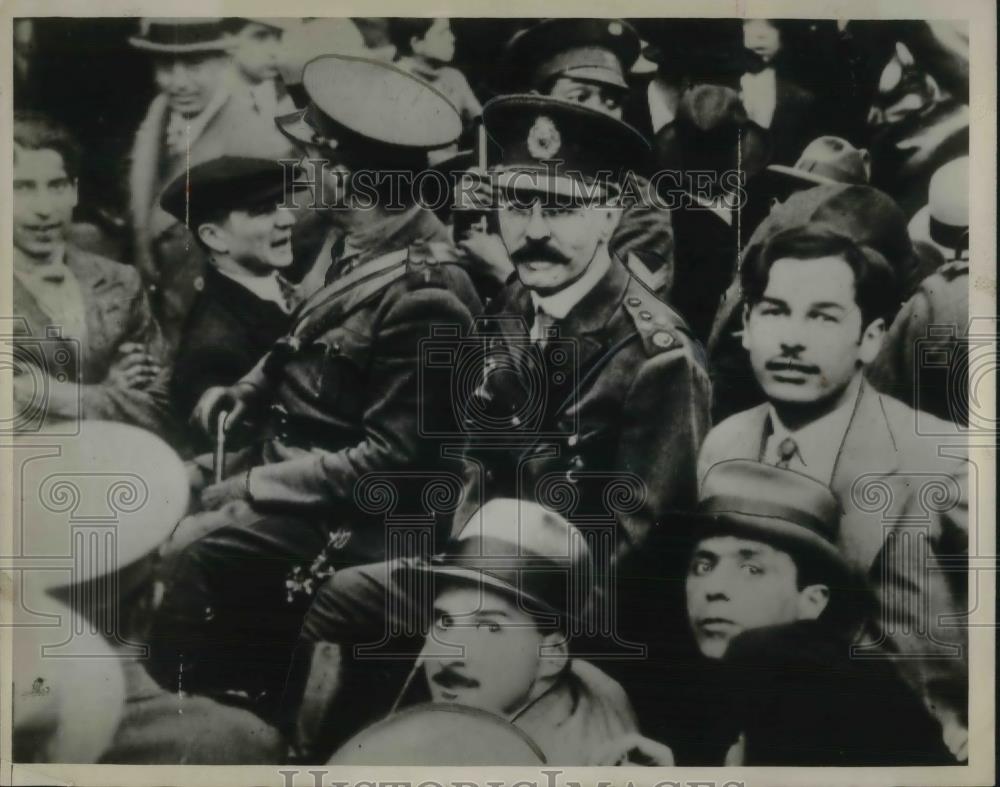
(544, 144)
(370, 106)
(181, 35)
(712, 132)
(595, 50)
(828, 160)
(524, 551)
(777, 506)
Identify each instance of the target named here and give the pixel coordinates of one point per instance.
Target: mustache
(535, 252)
(450, 679)
(791, 365)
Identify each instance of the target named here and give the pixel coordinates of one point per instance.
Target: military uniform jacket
(348, 395)
(603, 424)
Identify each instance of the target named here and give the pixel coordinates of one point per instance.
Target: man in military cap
(339, 399)
(197, 115)
(234, 207)
(586, 61)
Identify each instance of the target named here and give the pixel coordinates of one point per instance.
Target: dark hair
(875, 287)
(35, 131)
(851, 598)
(402, 29)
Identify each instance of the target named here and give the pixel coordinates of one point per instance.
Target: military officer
(340, 398)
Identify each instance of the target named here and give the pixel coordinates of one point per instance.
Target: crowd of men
(625, 435)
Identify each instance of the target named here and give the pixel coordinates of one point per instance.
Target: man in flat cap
(773, 609)
(234, 207)
(586, 61)
(341, 398)
(814, 318)
(198, 115)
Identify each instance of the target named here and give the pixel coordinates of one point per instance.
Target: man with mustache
(815, 312)
(234, 207)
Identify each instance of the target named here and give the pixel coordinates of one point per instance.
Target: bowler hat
(525, 551)
(829, 160)
(712, 132)
(772, 504)
(181, 35)
(595, 50)
(369, 106)
(944, 220)
(223, 184)
(548, 144)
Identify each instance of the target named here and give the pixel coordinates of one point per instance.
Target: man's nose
(538, 228)
(285, 218)
(791, 349)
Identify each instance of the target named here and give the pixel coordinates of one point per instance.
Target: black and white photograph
(540, 391)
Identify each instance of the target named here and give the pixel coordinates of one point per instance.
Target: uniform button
(515, 421)
(633, 301)
(577, 462)
(663, 339)
(572, 440)
(646, 315)
(199, 283)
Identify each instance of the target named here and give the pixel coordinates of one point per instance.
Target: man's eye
(60, 185)
(22, 186)
(829, 318)
(700, 567)
(488, 625)
(445, 622)
(752, 570)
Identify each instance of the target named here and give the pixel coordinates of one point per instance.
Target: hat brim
(768, 530)
(219, 45)
(602, 76)
(541, 181)
(471, 576)
(669, 153)
(295, 127)
(801, 175)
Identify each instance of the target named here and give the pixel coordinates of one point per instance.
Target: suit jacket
(117, 311)
(608, 427)
(905, 504)
(227, 332)
(165, 252)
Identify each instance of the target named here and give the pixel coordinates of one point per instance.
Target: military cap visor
(181, 36)
(598, 50)
(360, 102)
(224, 184)
(548, 145)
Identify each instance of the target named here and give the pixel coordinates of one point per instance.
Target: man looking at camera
(815, 313)
(96, 352)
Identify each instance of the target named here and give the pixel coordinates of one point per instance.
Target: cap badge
(544, 140)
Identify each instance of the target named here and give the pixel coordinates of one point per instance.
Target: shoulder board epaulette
(660, 328)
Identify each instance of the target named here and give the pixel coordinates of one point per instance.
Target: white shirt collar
(760, 95)
(818, 441)
(267, 288)
(560, 304)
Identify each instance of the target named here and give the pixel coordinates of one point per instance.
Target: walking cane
(219, 465)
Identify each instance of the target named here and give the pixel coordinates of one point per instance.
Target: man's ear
(553, 652)
(746, 319)
(212, 236)
(871, 341)
(812, 600)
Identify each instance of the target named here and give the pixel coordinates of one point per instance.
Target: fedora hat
(829, 160)
(522, 550)
(181, 35)
(772, 505)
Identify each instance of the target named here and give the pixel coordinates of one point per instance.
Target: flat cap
(224, 183)
(596, 50)
(546, 144)
(357, 103)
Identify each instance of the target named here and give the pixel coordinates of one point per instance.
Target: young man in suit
(234, 208)
(198, 115)
(816, 305)
(96, 349)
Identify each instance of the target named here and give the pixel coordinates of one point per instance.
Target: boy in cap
(773, 608)
(235, 209)
(342, 397)
(196, 116)
(814, 318)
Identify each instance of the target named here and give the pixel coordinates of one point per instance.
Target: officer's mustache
(538, 252)
(450, 679)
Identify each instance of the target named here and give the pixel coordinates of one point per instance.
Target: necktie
(787, 449)
(542, 330)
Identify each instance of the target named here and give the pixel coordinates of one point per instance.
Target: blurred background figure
(944, 221)
(258, 50)
(311, 37)
(197, 115)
